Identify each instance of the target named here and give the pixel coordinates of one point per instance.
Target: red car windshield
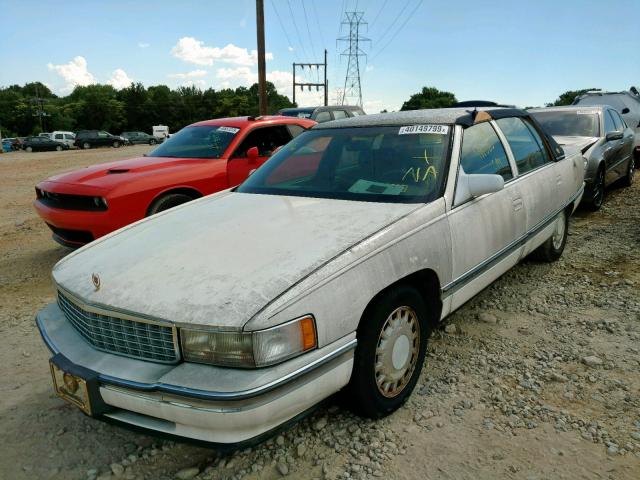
(202, 141)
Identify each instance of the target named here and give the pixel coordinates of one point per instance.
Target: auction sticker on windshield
(229, 129)
(412, 129)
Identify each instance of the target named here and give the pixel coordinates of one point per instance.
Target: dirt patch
(507, 395)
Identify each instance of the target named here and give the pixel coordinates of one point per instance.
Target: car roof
(451, 116)
(241, 122)
(568, 108)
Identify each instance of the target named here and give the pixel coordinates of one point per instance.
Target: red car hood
(105, 176)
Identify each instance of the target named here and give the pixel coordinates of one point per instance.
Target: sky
(522, 52)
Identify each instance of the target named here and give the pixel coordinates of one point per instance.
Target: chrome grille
(146, 341)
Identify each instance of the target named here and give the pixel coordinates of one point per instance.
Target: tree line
(34, 108)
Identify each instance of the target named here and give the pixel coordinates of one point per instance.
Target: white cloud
(119, 79)
(74, 73)
(290, 48)
(194, 83)
(192, 74)
(143, 45)
(235, 77)
(195, 51)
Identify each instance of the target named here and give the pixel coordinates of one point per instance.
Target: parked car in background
(12, 144)
(603, 137)
(41, 144)
(7, 145)
(200, 159)
(326, 269)
(323, 114)
(626, 103)
(97, 138)
(135, 138)
(65, 137)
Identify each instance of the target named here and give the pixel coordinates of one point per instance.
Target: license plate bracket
(77, 385)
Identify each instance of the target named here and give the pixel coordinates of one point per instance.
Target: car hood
(579, 142)
(221, 259)
(109, 174)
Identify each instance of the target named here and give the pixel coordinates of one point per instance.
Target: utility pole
(324, 85)
(352, 87)
(262, 67)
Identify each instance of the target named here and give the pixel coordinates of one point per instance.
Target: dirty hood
(219, 260)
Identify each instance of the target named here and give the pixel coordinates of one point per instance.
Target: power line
(399, 29)
(379, 12)
(390, 27)
(295, 25)
(284, 30)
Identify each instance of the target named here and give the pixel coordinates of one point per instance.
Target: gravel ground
(536, 378)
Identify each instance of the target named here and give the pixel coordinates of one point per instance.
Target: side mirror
(253, 154)
(625, 110)
(614, 136)
(475, 185)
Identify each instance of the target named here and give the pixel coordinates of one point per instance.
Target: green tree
(568, 97)
(429, 97)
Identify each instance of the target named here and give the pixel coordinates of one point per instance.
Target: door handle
(518, 204)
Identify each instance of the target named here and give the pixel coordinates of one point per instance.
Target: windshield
(204, 141)
(581, 123)
(376, 164)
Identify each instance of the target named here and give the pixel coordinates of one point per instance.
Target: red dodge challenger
(200, 159)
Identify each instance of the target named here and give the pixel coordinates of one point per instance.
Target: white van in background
(161, 131)
(64, 137)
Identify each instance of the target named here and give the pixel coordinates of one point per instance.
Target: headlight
(250, 349)
(100, 202)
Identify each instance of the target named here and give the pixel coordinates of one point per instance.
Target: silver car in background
(603, 137)
(327, 269)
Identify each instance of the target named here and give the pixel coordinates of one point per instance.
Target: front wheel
(552, 249)
(116, 144)
(58, 148)
(392, 343)
(29, 149)
(168, 201)
(598, 192)
(86, 145)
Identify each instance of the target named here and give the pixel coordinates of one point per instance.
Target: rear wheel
(627, 181)
(86, 145)
(392, 342)
(29, 149)
(58, 148)
(598, 192)
(552, 249)
(168, 201)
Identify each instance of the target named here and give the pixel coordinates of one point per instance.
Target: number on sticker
(414, 129)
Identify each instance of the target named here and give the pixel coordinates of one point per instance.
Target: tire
(551, 250)
(58, 148)
(152, 142)
(116, 144)
(368, 394)
(29, 149)
(627, 180)
(86, 145)
(168, 201)
(599, 192)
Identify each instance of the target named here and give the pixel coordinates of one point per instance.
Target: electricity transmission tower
(352, 88)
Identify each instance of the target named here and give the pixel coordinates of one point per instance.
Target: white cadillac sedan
(223, 319)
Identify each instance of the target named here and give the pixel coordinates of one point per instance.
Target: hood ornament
(95, 279)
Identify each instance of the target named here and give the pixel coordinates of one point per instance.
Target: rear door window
(526, 144)
(482, 152)
(323, 117)
(59, 136)
(338, 114)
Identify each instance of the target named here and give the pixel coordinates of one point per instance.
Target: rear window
(581, 123)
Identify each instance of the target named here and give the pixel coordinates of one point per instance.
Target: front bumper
(202, 402)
